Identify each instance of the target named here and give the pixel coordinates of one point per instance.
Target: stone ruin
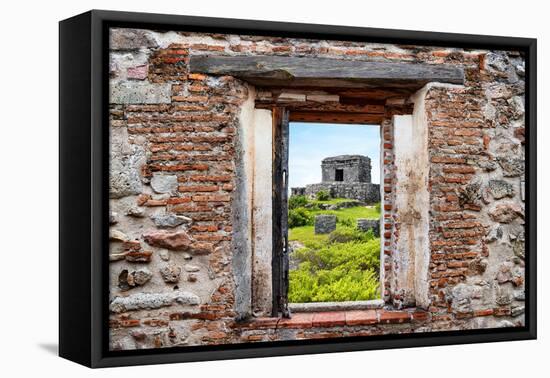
(190, 237)
(345, 176)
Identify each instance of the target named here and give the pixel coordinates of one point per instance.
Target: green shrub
(349, 234)
(348, 222)
(299, 217)
(377, 207)
(296, 201)
(322, 195)
(352, 255)
(336, 272)
(353, 286)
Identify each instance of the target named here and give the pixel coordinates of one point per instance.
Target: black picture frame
(83, 180)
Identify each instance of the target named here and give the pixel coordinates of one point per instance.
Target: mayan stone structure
(191, 173)
(346, 176)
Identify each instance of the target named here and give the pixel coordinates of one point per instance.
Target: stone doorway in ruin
(325, 90)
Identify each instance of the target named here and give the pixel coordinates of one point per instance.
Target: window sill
(338, 319)
(336, 306)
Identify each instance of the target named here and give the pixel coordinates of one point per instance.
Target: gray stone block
(500, 189)
(148, 301)
(139, 93)
(169, 220)
(126, 162)
(364, 224)
(130, 39)
(164, 183)
(325, 223)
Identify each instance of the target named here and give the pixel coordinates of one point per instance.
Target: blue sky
(312, 142)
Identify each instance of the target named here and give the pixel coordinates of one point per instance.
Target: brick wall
(175, 155)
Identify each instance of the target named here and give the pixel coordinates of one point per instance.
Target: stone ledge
(336, 306)
(338, 319)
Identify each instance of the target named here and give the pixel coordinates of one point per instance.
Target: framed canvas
(234, 188)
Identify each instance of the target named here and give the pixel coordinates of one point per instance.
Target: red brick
(282, 49)
(259, 337)
(394, 317)
(297, 320)
(329, 319)
(520, 134)
(502, 311)
(204, 228)
(152, 203)
(463, 225)
(178, 200)
(210, 237)
(361, 317)
(420, 316)
(190, 98)
(129, 323)
(196, 76)
(142, 199)
(447, 160)
(464, 315)
(485, 312)
(155, 322)
(462, 169)
(204, 46)
(144, 256)
(131, 245)
(467, 132)
(471, 206)
(216, 335)
(457, 180)
(180, 167)
(451, 207)
(259, 323)
(198, 188)
(221, 178)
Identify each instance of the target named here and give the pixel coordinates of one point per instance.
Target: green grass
(335, 268)
(306, 235)
(344, 217)
(351, 213)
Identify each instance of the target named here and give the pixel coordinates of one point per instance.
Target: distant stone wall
(361, 191)
(298, 191)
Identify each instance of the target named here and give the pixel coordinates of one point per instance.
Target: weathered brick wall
(175, 157)
(476, 173)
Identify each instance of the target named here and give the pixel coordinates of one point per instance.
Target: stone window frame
(328, 118)
(405, 213)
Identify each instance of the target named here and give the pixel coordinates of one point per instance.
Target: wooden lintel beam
(325, 117)
(325, 72)
(323, 107)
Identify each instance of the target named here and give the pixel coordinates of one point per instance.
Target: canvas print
(268, 189)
